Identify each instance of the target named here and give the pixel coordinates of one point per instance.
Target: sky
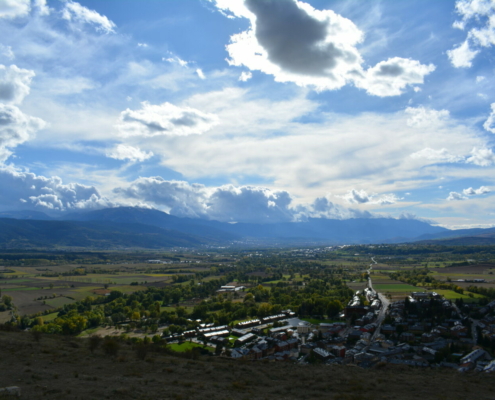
(250, 110)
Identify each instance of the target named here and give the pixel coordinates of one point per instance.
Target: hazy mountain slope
(359, 230)
(457, 233)
(155, 218)
(26, 214)
(36, 233)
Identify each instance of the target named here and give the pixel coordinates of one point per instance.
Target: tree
(7, 300)
(110, 346)
(94, 342)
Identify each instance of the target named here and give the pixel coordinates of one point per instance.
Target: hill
(148, 228)
(331, 231)
(20, 234)
(64, 368)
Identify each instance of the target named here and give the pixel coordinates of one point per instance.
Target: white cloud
(480, 78)
(309, 158)
(245, 76)
(28, 190)
(14, 8)
(361, 197)
(64, 86)
(7, 52)
(15, 128)
(296, 43)
(164, 120)
(422, 117)
(442, 155)
(462, 56)
(454, 196)
(223, 203)
(200, 73)
(14, 83)
(176, 60)
(391, 77)
(482, 14)
(42, 7)
(483, 157)
(322, 207)
(472, 192)
(126, 152)
(230, 203)
(75, 12)
(489, 124)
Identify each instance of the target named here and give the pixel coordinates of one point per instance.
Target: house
(256, 353)
(322, 354)
(244, 339)
(239, 353)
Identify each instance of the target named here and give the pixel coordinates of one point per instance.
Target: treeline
(487, 292)
(420, 277)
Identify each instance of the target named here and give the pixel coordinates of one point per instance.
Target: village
(423, 330)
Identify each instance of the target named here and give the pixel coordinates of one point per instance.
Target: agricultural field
(38, 289)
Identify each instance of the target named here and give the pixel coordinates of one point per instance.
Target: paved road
(383, 299)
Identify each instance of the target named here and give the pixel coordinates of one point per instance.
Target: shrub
(110, 346)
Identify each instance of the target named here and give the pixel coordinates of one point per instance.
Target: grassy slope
(63, 368)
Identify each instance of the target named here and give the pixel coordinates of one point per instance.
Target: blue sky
(250, 110)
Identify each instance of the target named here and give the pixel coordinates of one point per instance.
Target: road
(383, 299)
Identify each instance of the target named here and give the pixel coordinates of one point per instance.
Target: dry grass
(64, 368)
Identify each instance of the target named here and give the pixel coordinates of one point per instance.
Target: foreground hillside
(64, 368)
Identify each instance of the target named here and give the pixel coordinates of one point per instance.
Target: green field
(17, 289)
(59, 302)
(451, 295)
(396, 287)
(188, 346)
(49, 317)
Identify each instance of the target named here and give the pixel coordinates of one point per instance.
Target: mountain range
(125, 227)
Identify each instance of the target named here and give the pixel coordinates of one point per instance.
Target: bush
(110, 346)
(94, 341)
(141, 350)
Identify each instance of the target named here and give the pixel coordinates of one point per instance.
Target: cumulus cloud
(223, 203)
(455, 196)
(28, 190)
(482, 157)
(473, 192)
(421, 117)
(229, 203)
(15, 128)
(14, 8)
(14, 83)
(296, 43)
(360, 197)
(481, 13)
(391, 77)
(165, 119)
(442, 155)
(42, 7)
(462, 56)
(489, 124)
(126, 152)
(322, 207)
(76, 13)
(245, 76)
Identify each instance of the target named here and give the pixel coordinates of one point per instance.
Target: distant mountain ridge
(140, 227)
(16, 233)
